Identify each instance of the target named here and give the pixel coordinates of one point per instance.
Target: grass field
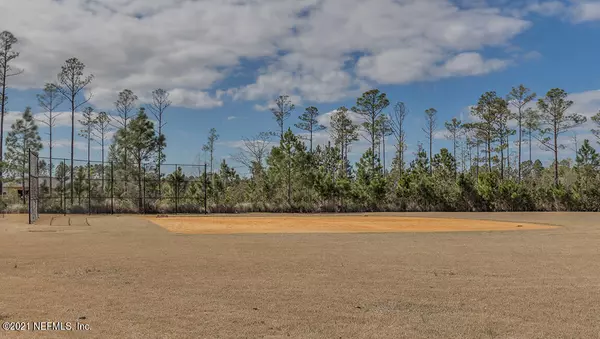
(418, 275)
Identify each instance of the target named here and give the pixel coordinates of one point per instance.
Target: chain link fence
(107, 188)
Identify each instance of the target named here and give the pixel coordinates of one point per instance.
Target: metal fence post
(176, 190)
(144, 191)
(29, 177)
(89, 188)
(65, 186)
(205, 190)
(159, 181)
(112, 189)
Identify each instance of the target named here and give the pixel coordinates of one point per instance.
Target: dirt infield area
(362, 223)
(128, 277)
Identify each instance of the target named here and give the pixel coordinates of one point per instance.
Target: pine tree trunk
(3, 104)
(25, 162)
(455, 168)
(477, 161)
(102, 164)
(50, 147)
(489, 143)
(373, 141)
(430, 150)
(520, 142)
(89, 165)
(383, 153)
(555, 154)
(140, 204)
(72, 142)
(508, 155)
(502, 157)
(159, 155)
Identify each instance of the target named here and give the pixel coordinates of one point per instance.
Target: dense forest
(490, 166)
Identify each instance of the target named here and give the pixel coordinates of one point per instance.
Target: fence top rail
(108, 162)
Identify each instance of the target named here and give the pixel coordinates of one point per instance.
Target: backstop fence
(33, 181)
(107, 187)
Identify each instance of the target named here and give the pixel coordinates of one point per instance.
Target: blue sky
(224, 61)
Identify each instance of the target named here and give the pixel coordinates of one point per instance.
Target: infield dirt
(362, 223)
(126, 277)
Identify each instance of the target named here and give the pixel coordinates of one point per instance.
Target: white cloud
(577, 11)
(586, 11)
(294, 99)
(61, 119)
(325, 119)
(66, 144)
(194, 99)
(547, 8)
(440, 134)
(471, 64)
(231, 118)
(319, 50)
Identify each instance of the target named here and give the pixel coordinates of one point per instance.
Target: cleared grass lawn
(127, 277)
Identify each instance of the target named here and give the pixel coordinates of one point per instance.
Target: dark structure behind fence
(104, 187)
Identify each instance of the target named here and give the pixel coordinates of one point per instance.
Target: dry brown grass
(254, 223)
(130, 278)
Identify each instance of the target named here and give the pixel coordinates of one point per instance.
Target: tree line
(485, 169)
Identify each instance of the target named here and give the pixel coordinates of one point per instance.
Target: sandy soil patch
(330, 224)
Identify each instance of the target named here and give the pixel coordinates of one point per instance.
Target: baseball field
(388, 275)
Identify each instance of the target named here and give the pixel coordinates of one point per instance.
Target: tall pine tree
(22, 138)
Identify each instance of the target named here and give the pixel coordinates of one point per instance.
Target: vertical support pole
(103, 192)
(176, 190)
(205, 190)
(112, 189)
(29, 187)
(144, 191)
(89, 188)
(23, 183)
(65, 187)
(139, 183)
(159, 180)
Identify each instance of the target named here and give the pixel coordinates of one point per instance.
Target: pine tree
(343, 133)
(384, 127)
(101, 132)
(288, 164)
(555, 121)
(71, 84)
(484, 129)
(88, 123)
(454, 128)
(370, 106)
(22, 138)
(519, 97)
(160, 103)
(430, 126)
(587, 158)
(310, 123)
(502, 115)
(399, 131)
(49, 100)
(282, 111)
(210, 146)
(596, 132)
(125, 104)
(531, 123)
(444, 164)
(370, 186)
(7, 55)
(142, 143)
